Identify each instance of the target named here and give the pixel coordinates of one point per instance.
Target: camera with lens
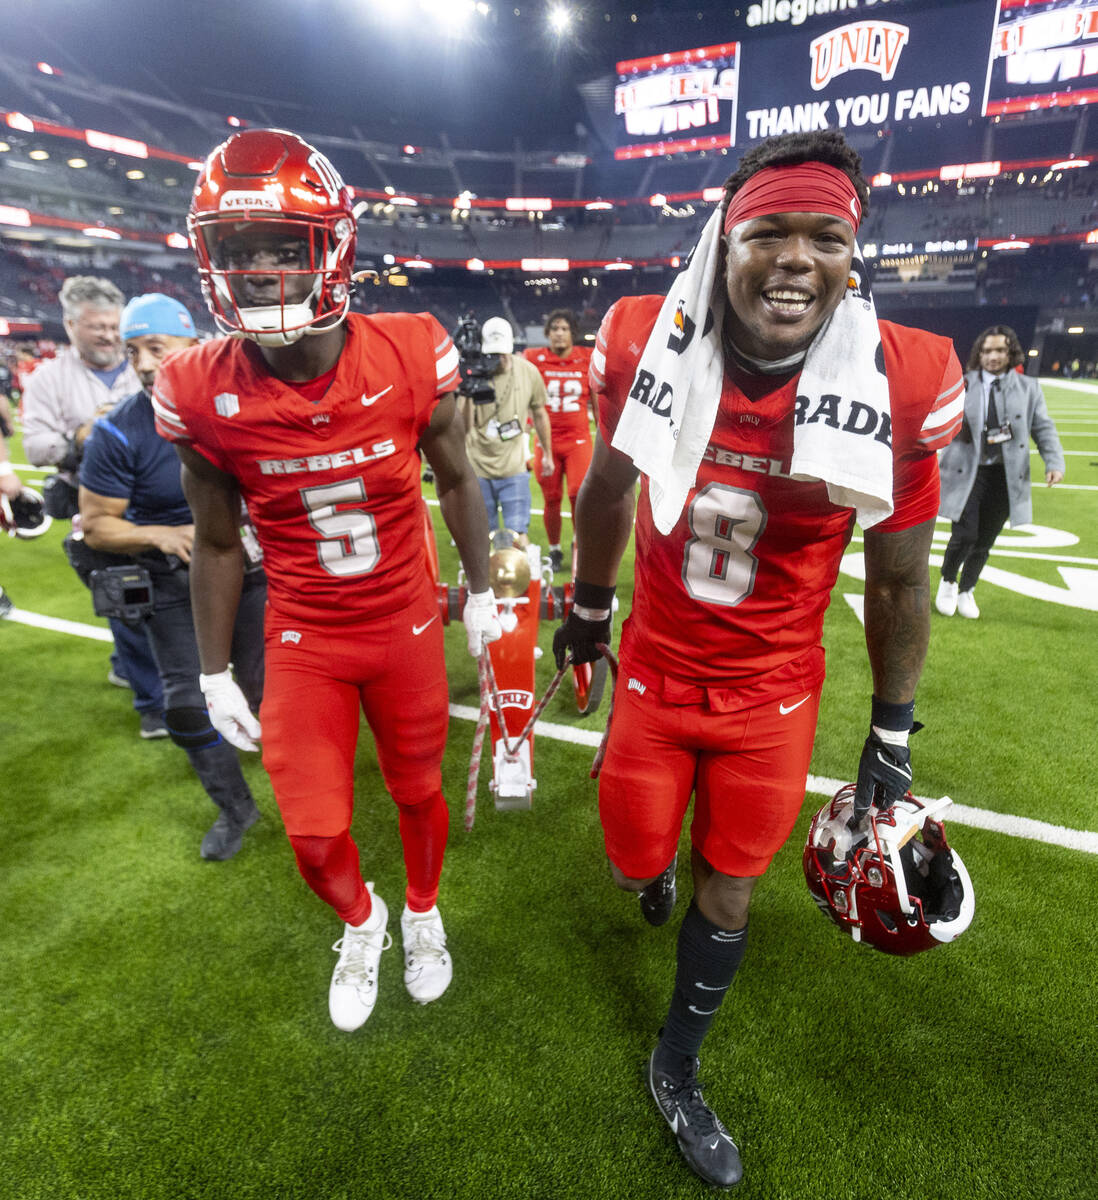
(122, 592)
(476, 368)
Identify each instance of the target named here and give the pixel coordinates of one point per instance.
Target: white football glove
(229, 711)
(481, 621)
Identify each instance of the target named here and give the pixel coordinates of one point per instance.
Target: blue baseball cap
(156, 313)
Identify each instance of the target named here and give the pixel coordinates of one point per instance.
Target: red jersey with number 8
(332, 486)
(740, 586)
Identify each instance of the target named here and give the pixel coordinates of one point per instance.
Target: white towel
(667, 422)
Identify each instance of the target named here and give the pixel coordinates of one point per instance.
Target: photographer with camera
(61, 400)
(132, 503)
(499, 390)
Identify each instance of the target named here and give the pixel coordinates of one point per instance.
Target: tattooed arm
(897, 609)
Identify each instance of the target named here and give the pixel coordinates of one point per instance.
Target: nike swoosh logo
(793, 707)
(418, 629)
(894, 766)
(703, 1012)
(368, 400)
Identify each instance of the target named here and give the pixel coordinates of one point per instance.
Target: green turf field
(164, 1020)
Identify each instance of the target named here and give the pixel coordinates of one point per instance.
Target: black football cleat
(556, 560)
(658, 899)
(703, 1140)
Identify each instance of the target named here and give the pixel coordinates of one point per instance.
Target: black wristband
(892, 716)
(592, 595)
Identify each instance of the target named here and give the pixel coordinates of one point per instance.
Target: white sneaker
(966, 605)
(946, 599)
(427, 966)
(353, 991)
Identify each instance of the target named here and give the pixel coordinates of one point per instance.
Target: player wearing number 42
(565, 367)
(765, 408)
(317, 417)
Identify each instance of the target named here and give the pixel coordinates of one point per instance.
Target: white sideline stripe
(535, 512)
(978, 818)
(1074, 385)
(60, 625)
(962, 814)
(549, 729)
(981, 818)
(1071, 453)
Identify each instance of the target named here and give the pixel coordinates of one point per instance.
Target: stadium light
(1076, 329)
(560, 20)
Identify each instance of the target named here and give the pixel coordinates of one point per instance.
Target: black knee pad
(191, 728)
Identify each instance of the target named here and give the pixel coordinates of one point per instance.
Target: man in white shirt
(61, 401)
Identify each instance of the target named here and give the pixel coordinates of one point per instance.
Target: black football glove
(884, 776)
(884, 772)
(580, 635)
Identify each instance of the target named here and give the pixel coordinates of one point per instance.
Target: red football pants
(571, 458)
(746, 768)
(318, 679)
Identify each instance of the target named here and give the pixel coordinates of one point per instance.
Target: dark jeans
(171, 634)
(971, 538)
(133, 657)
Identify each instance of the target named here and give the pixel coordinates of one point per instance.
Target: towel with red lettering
(665, 427)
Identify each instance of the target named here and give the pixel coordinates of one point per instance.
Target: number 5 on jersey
(350, 536)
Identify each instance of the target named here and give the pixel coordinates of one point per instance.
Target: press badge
(509, 429)
(998, 435)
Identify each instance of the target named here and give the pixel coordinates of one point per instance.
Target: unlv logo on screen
(861, 46)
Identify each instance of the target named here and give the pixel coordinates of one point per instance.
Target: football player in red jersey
(721, 658)
(316, 417)
(565, 367)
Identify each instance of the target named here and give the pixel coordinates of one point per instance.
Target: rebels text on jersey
(333, 487)
(566, 381)
(739, 587)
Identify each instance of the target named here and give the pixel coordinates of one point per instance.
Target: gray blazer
(1024, 405)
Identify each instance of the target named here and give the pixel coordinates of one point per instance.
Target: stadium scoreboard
(792, 66)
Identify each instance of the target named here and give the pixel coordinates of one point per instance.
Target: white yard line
(1022, 827)
(961, 814)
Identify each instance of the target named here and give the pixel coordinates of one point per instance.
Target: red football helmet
(266, 192)
(24, 516)
(883, 885)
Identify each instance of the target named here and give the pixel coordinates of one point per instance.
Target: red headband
(807, 187)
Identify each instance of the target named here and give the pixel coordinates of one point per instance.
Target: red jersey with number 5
(566, 381)
(333, 487)
(740, 586)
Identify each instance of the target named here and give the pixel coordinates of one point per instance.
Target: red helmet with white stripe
(273, 228)
(883, 885)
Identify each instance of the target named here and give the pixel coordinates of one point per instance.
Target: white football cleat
(966, 605)
(946, 599)
(353, 991)
(427, 966)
